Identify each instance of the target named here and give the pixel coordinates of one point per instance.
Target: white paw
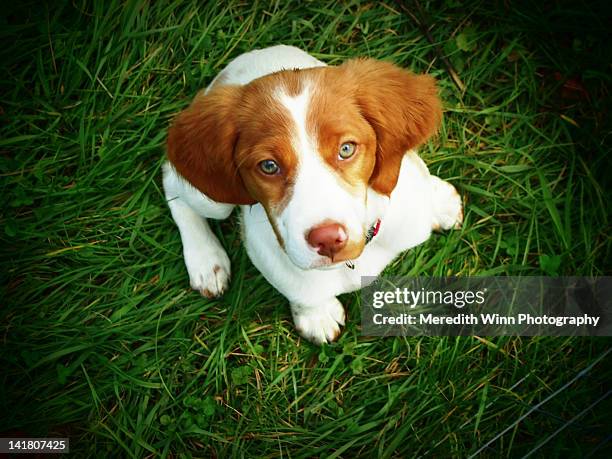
(321, 323)
(209, 270)
(448, 209)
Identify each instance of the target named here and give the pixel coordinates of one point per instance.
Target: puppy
(321, 161)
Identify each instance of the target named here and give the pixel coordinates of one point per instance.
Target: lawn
(104, 342)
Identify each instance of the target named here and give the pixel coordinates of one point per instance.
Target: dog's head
(307, 144)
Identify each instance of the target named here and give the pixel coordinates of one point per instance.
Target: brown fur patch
(403, 109)
(219, 140)
(351, 251)
(201, 142)
(333, 119)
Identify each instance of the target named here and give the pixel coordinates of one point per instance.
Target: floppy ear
(201, 144)
(403, 109)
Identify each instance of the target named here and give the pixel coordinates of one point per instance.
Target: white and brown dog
(321, 160)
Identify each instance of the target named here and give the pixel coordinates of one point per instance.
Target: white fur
(259, 62)
(419, 203)
(315, 182)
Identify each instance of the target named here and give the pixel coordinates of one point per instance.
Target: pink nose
(329, 239)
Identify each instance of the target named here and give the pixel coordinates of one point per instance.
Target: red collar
(373, 231)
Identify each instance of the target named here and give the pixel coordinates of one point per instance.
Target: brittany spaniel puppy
(321, 161)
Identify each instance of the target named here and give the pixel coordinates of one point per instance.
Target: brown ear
(403, 109)
(201, 144)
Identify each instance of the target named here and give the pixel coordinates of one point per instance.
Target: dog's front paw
(209, 271)
(448, 208)
(319, 323)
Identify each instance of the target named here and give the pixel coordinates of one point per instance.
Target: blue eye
(347, 150)
(269, 167)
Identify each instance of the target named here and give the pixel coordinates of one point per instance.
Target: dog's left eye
(269, 167)
(347, 150)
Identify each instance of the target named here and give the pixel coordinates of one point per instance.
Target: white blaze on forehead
(298, 109)
(318, 195)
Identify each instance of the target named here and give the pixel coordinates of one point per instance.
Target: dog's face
(307, 144)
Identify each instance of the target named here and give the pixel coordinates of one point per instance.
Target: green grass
(102, 340)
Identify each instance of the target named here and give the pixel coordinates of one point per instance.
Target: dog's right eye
(347, 150)
(269, 167)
